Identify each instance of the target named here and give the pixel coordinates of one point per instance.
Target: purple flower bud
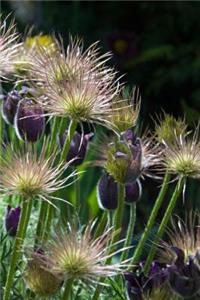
(134, 169)
(12, 220)
(9, 106)
(133, 192)
(78, 147)
(107, 192)
(29, 120)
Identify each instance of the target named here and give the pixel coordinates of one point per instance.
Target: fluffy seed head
(9, 47)
(183, 156)
(30, 174)
(75, 83)
(77, 255)
(184, 235)
(126, 110)
(168, 128)
(38, 279)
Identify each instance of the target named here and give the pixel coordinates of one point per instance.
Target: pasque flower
(107, 192)
(9, 106)
(29, 120)
(129, 158)
(78, 147)
(12, 220)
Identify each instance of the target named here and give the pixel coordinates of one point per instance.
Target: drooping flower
(12, 220)
(129, 158)
(133, 192)
(107, 192)
(29, 173)
(182, 158)
(9, 47)
(38, 279)
(9, 106)
(29, 120)
(77, 255)
(151, 287)
(78, 147)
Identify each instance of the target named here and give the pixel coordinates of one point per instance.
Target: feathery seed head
(126, 110)
(39, 279)
(168, 128)
(184, 235)
(183, 156)
(77, 255)
(9, 47)
(30, 174)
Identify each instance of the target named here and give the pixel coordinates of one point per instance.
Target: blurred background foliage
(155, 44)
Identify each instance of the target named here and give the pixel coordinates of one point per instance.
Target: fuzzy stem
(120, 210)
(163, 224)
(101, 225)
(70, 134)
(117, 225)
(49, 211)
(68, 290)
(131, 226)
(44, 207)
(151, 220)
(19, 239)
(77, 194)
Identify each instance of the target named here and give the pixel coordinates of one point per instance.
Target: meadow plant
(70, 221)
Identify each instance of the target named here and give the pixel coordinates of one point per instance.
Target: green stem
(68, 290)
(49, 207)
(130, 230)
(163, 224)
(117, 225)
(151, 221)
(77, 194)
(101, 225)
(44, 206)
(71, 131)
(20, 236)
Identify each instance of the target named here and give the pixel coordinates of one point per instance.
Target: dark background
(155, 44)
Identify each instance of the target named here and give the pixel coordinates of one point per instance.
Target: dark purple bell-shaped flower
(184, 277)
(12, 220)
(138, 284)
(29, 120)
(9, 107)
(107, 192)
(133, 192)
(78, 147)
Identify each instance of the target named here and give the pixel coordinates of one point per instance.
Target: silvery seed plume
(30, 173)
(9, 47)
(77, 255)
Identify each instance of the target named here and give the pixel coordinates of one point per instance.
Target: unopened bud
(29, 120)
(9, 107)
(107, 192)
(12, 220)
(133, 192)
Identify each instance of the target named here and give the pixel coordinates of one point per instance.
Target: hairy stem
(18, 244)
(68, 290)
(130, 230)
(151, 221)
(163, 224)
